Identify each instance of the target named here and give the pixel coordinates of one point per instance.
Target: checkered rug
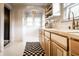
(33, 49)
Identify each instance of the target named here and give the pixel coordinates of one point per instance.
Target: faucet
(73, 22)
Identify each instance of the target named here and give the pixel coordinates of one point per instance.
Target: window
(33, 22)
(75, 10)
(56, 9)
(69, 8)
(29, 21)
(66, 11)
(37, 21)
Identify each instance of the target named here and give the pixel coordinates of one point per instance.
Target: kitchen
(60, 36)
(55, 26)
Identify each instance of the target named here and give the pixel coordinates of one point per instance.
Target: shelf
(48, 11)
(50, 7)
(49, 17)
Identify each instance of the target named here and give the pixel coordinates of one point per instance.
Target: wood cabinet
(50, 44)
(74, 47)
(47, 46)
(42, 39)
(43, 42)
(60, 39)
(51, 48)
(57, 44)
(57, 50)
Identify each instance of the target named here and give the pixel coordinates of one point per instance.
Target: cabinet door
(74, 47)
(51, 48)
(40, 38)
(47, 46)
(43, 44)
(58, 51)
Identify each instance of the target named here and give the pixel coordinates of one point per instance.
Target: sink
(74, 33)
(66, 30)
(71, 31)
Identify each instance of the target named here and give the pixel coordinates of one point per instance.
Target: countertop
(68, 33)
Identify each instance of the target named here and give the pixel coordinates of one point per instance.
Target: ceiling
(37, 4)
(30, 7)
(31, 4)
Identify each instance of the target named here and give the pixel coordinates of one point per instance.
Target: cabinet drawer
(74, 47)
(59, 39)
(47, 34)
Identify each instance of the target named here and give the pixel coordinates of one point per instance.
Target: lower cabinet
(43, 42)
(41, 36)
(47, 46)
(50, 47)
(59, 45)
(56, 50)
(74, 47)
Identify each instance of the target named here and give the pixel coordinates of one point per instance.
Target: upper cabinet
(53, 9)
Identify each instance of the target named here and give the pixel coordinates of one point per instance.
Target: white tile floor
(16, 48)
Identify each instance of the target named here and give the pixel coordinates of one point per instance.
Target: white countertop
(72, 33)
(62, 30)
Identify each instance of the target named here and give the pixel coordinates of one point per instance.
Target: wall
(1, 27)
(59, 23)
(16, 16)
(18, 12)
(65, 25)
(58, 19)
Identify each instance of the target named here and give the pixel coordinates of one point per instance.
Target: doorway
(6, 26)
(31, 29)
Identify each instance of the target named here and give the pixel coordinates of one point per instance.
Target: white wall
(16, 16)
(58, 24)
(1, 26)
(18, 12)
(58, 19)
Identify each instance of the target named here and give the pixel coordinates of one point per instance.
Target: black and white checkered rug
(33, 49)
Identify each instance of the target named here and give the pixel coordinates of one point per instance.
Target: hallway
(30, 33)
(16, 48)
